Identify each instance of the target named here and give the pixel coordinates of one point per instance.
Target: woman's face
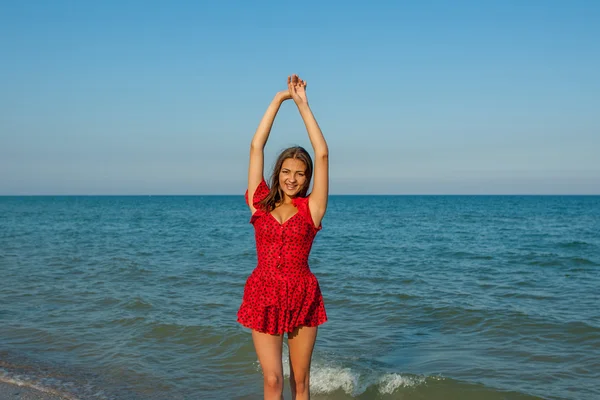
(292, 176)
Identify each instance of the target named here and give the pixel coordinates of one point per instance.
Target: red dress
(282, 293)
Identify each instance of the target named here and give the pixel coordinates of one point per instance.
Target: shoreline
(14, 391)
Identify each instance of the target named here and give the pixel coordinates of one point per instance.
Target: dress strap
(301, 203)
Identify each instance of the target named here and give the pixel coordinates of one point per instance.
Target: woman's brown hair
(275, 196)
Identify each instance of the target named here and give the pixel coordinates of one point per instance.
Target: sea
(428, 297)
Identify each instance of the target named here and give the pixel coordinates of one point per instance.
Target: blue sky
(427, 97)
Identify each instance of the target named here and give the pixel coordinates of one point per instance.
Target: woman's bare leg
(301, 343)
(269, 348)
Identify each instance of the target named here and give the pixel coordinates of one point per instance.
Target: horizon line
(333, 194)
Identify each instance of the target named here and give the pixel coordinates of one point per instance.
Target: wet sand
(9, 391)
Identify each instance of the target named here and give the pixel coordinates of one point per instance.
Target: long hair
(275, 196)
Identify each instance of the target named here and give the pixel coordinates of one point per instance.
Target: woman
(282, 295)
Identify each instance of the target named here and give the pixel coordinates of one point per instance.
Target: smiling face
(292, 177)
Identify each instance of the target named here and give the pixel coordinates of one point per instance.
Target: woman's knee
(274, 381)
(301, 382)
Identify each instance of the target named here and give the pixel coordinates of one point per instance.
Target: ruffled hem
(277, 321)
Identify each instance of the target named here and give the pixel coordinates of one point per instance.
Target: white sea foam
(390, 382)
(326, 378)
(330, 379)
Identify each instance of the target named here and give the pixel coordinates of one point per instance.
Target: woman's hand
(283, 96)
(297, 89)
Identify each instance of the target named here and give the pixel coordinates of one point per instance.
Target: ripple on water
(582, 261)
(129, 321)
(575, 244)
(137, 303)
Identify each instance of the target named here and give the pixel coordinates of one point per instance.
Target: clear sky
(419, 97)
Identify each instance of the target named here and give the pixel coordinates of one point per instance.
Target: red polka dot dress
(282, 293)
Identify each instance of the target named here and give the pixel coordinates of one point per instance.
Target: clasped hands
(296, 90)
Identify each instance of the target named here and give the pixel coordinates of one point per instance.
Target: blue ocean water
(429, 297)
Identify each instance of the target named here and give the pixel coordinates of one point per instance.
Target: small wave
(137, 303)
(531, 296)
(546, 263)
(162, 331)
(132, 321)
(134, 269)
(573, 244)
(326, 380)
(582, 261)
(470, 256)
(555, 261)
(404, 296)
(330, 379)
(389, 383)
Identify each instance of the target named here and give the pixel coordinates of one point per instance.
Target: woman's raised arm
(318, 197)
(257, 146)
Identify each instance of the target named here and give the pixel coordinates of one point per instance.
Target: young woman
(282, 295)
